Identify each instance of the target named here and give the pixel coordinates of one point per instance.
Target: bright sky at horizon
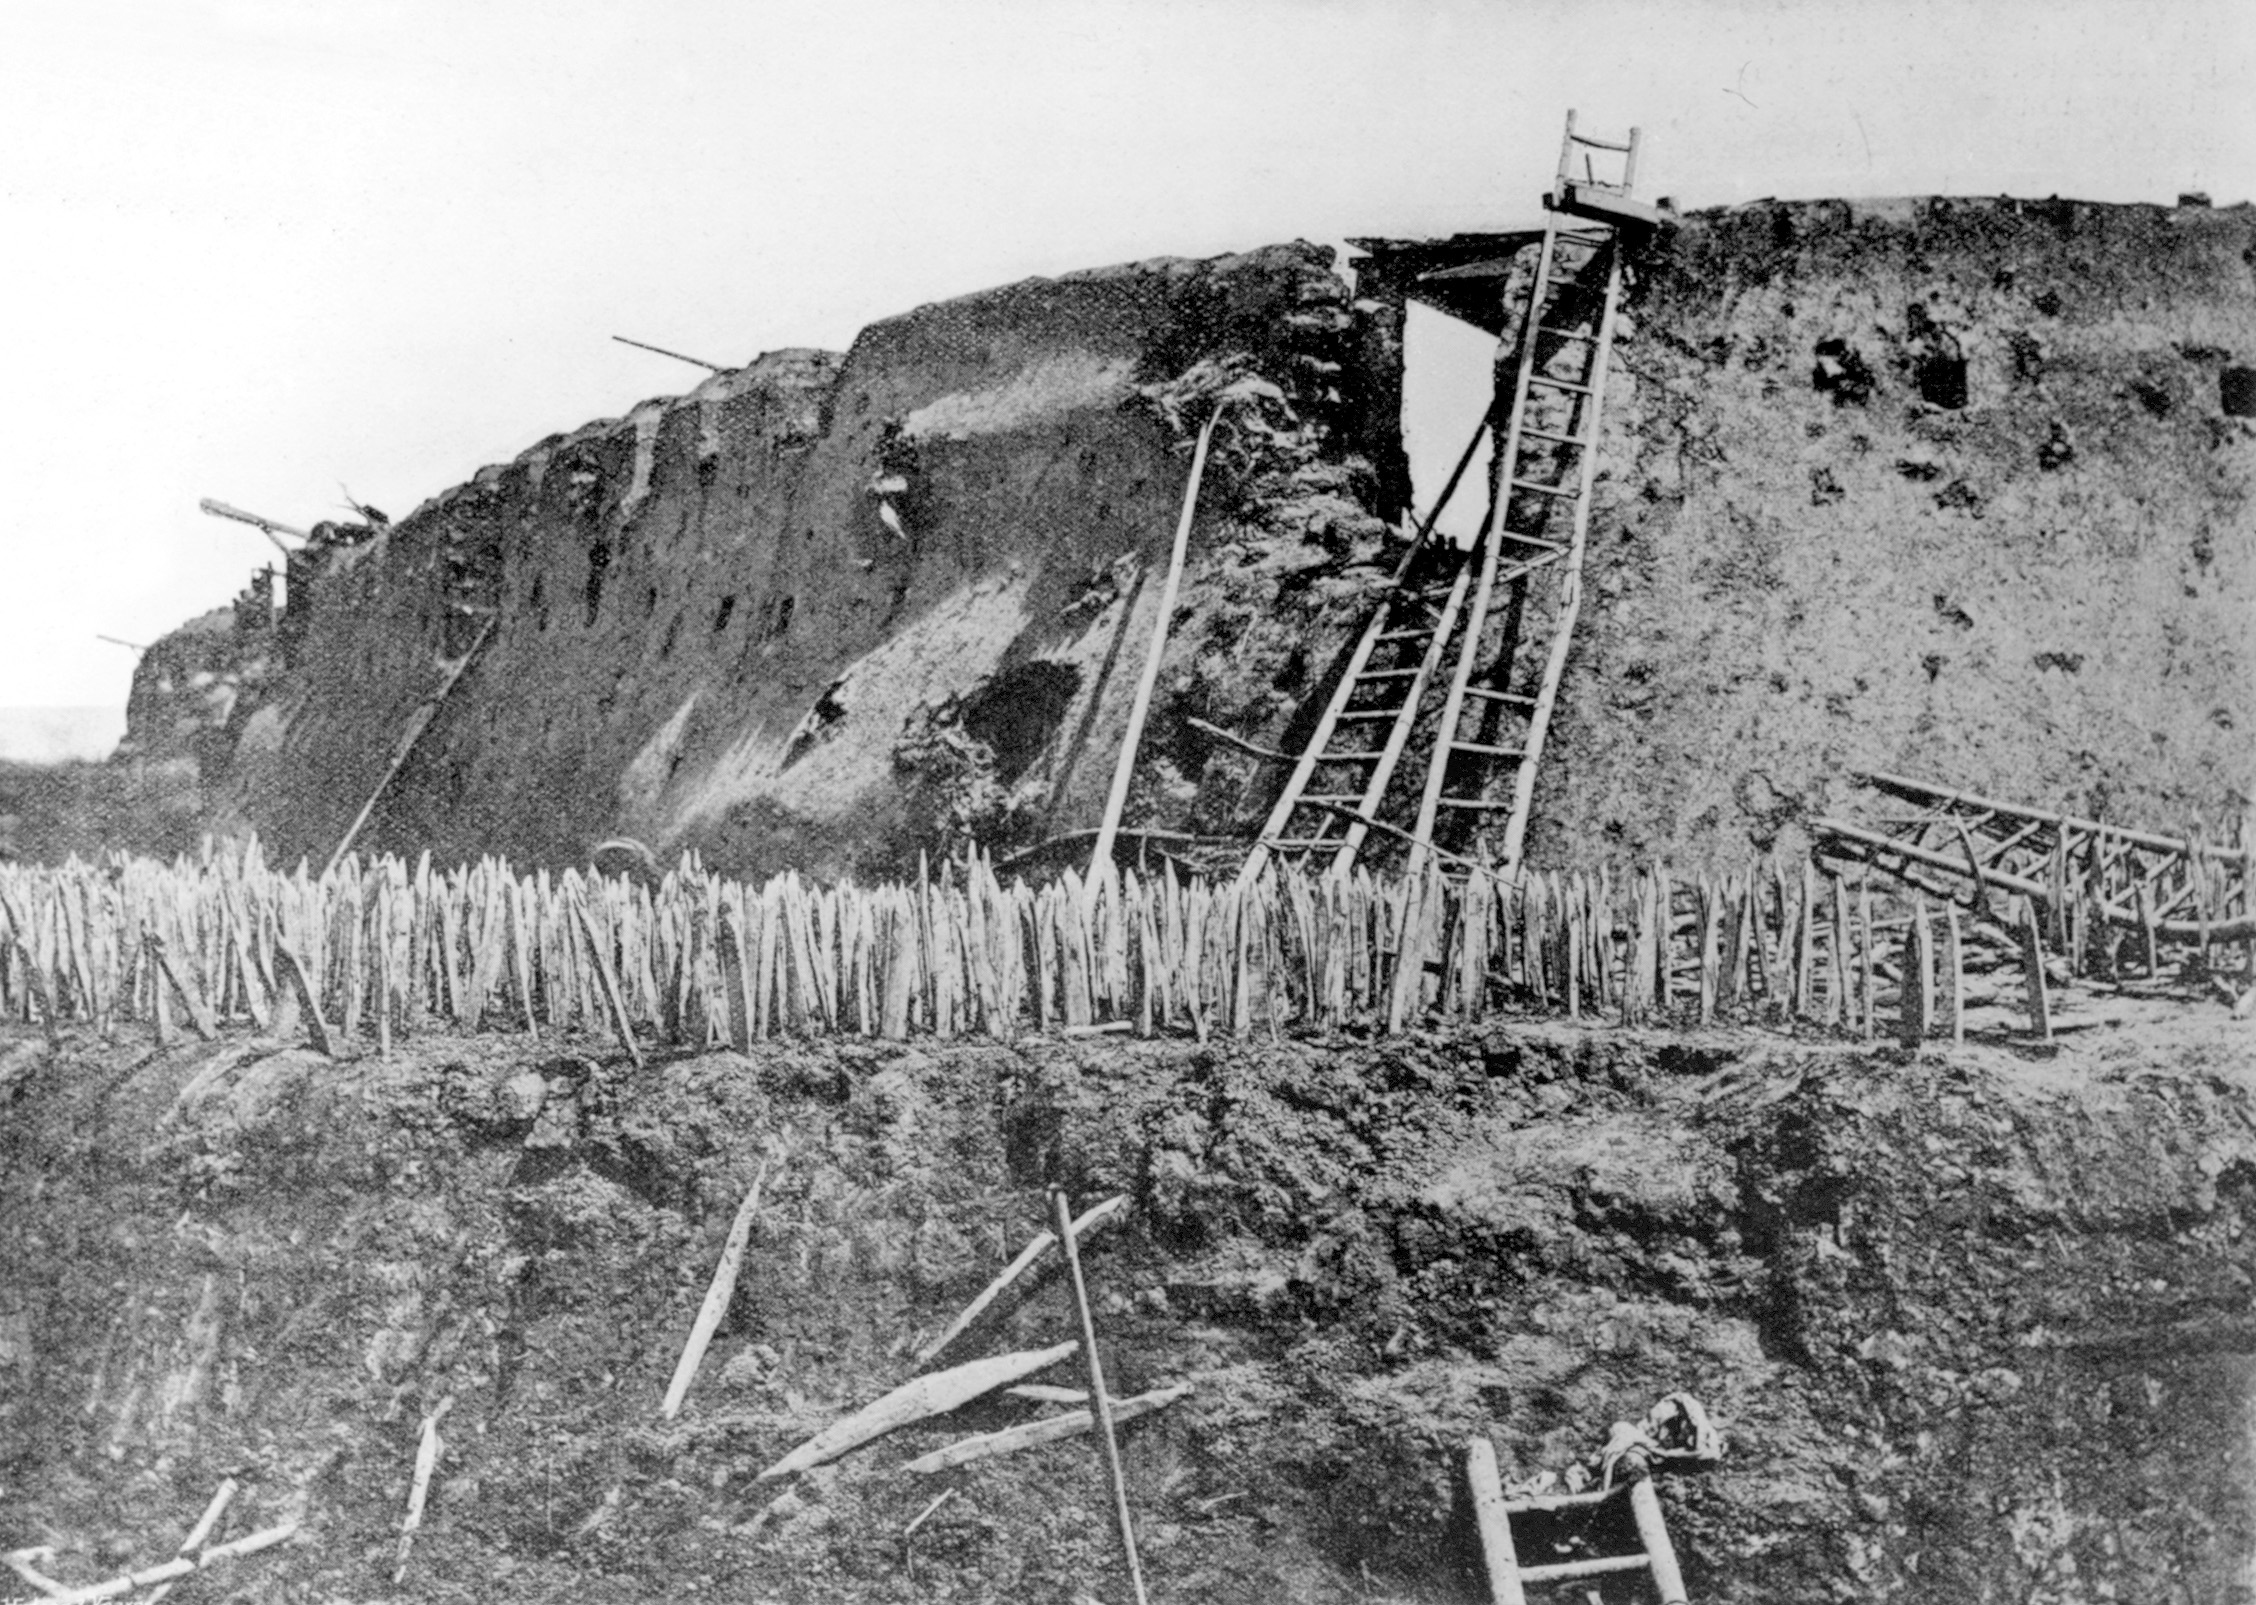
(260, 249)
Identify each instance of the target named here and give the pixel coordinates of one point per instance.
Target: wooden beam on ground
(916, 1400)
(1032, 1434)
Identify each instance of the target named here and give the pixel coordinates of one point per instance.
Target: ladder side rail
(1437, 769)
(1570, 587)
(1304, 768)
(1398, 739)
(1313, 754)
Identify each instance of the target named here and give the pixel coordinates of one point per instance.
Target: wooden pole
(1645, 1505)
(694, 362)
(1499, 1558)
(417, 723)
(265, 526)
(1124, 768)
(1061, 1222)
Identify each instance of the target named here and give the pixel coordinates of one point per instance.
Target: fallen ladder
(1962, 847)
(1474, 603)
(1509, 1577)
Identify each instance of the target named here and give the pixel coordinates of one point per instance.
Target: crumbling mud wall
(824, 611)
(1955, 488)
(1958, 488)
(1976, 1327)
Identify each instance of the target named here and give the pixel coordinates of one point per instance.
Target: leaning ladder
(1539, 519)
(1444, 596)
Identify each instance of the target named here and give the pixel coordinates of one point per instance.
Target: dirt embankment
(1977, 1326)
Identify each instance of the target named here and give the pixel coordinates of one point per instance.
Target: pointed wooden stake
(1061, 1218)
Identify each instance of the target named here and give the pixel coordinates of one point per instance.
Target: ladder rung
(1542, 489)
(1597, 144)
(1499, 696)
(1488, 750)
(1522, 1507)
(1577, 237)
(1565, 333)
(1331, 796)
(1369, 713)
(1400, 635)
(1531, 540)
(1351, 757)
(1387, 674)
(1584, 1568)
(1304, 841)
(1476, 802)
(1529, 433)
(1559, 384)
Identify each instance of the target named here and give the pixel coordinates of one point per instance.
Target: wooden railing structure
(378, 946)
(2097, 885)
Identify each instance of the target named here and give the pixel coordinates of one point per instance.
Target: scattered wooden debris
(1043, 1393)
(914, 1400)
(717, 1298)
(926, 1513)
(1092, 1221)
(201, 1533)
(1050, 1429)
(171, 1570)
(23, 1562)
(426, 1459)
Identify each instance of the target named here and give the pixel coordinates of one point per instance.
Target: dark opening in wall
(1018, 711)
(599, 560)
(721, 614)
(2236, 392)
(1842, 373)
(782, 625)
(1942, 380)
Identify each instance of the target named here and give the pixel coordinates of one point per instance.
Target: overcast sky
(256, 249)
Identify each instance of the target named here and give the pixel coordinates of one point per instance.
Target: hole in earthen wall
(1018, 711)
(1942, 381)
(2236, 392)
(721, 614)
(599, 560)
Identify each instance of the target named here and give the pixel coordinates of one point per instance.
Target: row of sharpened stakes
(380, 946)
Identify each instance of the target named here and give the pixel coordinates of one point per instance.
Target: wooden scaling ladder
(1509, 1580)
(1367, 725)
(1540, 517)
